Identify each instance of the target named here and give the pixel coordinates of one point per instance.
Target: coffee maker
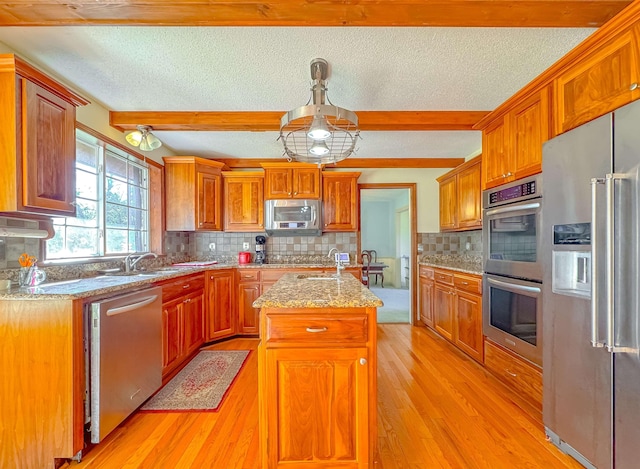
(261, 255)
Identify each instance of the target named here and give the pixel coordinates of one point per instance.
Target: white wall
(93, 115)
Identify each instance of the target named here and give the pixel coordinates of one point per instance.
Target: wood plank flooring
(437, 409)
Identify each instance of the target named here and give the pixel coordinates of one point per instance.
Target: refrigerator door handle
(595, 333)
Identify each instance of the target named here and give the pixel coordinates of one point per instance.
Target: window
(112, 201)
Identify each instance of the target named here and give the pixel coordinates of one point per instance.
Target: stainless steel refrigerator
(591, 290)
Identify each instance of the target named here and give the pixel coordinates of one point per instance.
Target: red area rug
(201, 385)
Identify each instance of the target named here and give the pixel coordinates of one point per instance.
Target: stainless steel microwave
(292, 217)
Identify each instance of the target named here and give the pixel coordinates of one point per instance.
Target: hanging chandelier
(318, 132)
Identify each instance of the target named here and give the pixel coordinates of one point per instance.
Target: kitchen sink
(315, 277)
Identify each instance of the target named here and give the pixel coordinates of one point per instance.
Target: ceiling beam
(263, 121)
(452, 13)
(354, 163)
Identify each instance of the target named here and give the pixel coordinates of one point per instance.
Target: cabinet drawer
(425, 272)
(316, 329)
(248, 275)
(443, 277)
(468, 283)
(515, 372)
(183, 286)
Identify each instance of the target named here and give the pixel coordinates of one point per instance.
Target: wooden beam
(352, 163)
(262, 121)
(451, 13)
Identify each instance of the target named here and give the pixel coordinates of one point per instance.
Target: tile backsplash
(452, 243)
(11, 248)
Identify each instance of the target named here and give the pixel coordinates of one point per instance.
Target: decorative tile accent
(452, 243)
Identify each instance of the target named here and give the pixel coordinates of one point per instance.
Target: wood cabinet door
(244, 203)
(248, 316)
(340, 201)
(306, 183)
(530, 128)
(599, 83)
(468, 335)
(209, 209)
(48, 158)
(278, 183)
(221, 318)
(193, 317)
(318, 407)
(448, 204)
(495, 158)
(469, 197)
(172, 325)
(426, 302)
(443, 310)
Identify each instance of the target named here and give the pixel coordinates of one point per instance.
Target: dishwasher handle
(132, 306)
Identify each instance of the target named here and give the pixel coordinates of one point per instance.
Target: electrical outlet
(212, 246)
(245, 246)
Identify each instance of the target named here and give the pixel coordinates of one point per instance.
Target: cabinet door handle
(509, 174)
(510, 373)
(633, 86)
(186, 286)
(188, 300)
(316, 329)
(363, 361)
(295, 193)
(464, 283)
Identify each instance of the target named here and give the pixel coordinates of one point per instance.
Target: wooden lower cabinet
(182, 320)
(443, 310)
(248, 322)
(452, 306)
(318, 407)
(221, 315)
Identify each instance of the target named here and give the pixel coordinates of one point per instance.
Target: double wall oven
(512, 296)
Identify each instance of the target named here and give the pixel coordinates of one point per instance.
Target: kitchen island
(317, 372)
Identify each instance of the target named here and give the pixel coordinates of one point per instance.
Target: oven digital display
(526, 189)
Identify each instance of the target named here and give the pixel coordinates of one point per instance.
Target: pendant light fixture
(143, 138)
(318, 132)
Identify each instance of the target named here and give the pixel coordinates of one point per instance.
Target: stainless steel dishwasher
(126, 356)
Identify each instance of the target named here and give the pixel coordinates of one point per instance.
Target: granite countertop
(466, 264)
(331, 265)
(295, 291)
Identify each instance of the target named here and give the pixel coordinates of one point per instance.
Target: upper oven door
(511, 238)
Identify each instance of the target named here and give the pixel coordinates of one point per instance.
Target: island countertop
(317, 291)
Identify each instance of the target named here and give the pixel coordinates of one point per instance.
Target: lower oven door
(512, 239)
(512, 315)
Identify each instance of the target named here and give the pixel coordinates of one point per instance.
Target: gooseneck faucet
(130, 263)
(339, 266)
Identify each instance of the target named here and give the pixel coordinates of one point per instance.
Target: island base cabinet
(317, 408)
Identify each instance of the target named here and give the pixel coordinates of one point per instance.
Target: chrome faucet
(130, 262)
(339, 266)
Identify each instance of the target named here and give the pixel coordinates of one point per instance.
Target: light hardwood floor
(437, 409)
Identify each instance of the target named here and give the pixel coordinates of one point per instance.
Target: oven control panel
(515, 192)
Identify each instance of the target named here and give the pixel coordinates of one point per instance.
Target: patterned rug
(201, 385)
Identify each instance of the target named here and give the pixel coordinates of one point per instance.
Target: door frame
(413, 259)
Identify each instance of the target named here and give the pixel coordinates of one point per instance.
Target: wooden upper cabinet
(340, 201)
(244, 200)
(193, 193)
(605, 79)
(291, 181)
(38, 148)
(461, 197)
(530, 127)
(512, 145)
(448, 203)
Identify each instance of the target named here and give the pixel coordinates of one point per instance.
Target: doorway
(388, 227)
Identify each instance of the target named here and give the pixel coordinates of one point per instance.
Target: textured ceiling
(259, 69)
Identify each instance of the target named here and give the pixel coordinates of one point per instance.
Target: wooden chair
(373, 257)
(366, 263)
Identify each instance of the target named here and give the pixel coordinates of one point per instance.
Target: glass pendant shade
(319, 148)
(318, 129)
(143, 139)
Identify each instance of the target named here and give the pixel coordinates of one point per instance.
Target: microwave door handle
(514, 287)
(512, 208)
(595, 295)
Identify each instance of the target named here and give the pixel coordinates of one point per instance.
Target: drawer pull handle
(363, 361)
(188, 300)
(464, 283)
(511, 373)
(316, 329)
(186, 286)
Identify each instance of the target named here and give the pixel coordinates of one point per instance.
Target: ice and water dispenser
(571, 260)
